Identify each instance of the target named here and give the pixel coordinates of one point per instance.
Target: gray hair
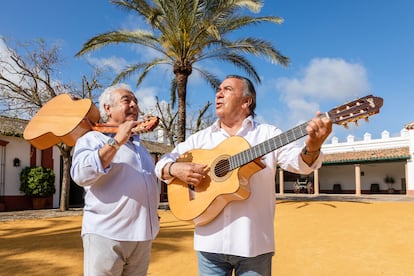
(106, 98)
(248, 91)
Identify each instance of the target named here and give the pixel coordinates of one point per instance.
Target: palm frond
(186, 32)
(145, 67)
(239, 62)
(128, 72)
(237, 22)
(210, 78)
(140, 37)
(248, 45)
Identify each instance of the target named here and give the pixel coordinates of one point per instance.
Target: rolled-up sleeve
(290, 159)
(86, 165)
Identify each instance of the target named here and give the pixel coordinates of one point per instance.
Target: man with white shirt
(120, 218)
(240, 239)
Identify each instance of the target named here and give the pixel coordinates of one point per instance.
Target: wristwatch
(113, 143)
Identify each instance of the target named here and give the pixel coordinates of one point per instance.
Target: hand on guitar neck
(318, 129)
(124, 131)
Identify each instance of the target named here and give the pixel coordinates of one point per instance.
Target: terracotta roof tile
(368, 155)
(409, 126)
(12, 126)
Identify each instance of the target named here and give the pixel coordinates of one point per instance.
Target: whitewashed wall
(373, 173)
(20, 148)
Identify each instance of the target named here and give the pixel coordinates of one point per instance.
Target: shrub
(37, 181)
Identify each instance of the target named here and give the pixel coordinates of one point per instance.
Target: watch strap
(112, 142)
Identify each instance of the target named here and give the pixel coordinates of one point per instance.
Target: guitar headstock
(353, 111)
(146, 125)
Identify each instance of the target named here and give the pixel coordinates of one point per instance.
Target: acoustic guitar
(64, 120)
(233, 162)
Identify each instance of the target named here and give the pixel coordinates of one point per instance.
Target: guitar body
(205, 201)
(233, 162)
(61, 120)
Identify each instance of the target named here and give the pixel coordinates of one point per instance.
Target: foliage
(186, 32)
(37, 181)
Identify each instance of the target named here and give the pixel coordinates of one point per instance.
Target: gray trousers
(104, 256)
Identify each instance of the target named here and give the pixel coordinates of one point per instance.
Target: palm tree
(189, 31)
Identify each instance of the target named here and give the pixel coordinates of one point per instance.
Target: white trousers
(104, 256)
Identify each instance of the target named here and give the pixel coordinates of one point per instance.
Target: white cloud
(115, 64)
(4, 50)
(5, 67)
(146, 99)
(323, 80)
(12, 72)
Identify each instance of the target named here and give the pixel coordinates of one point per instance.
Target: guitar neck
(144, 126)
(106, 128)
(267, 146)
(342, 115)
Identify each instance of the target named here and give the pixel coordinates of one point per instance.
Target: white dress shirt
(121, 201)
(244, 228)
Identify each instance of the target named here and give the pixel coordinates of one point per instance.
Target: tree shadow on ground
(170, 236)
(32, 250)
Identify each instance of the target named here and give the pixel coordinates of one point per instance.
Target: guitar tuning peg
(367, 119)
(356, 123)
(346, 125)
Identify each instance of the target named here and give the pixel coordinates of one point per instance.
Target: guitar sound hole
(222, 168)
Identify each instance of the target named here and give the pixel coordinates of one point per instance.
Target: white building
(17, 153)
(352, 167)
(361, 167)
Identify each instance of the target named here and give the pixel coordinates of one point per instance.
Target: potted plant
(390, 181)
(37, 183)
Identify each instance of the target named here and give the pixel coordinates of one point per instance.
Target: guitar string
(285, 138)
(244, 157)
(261, 149)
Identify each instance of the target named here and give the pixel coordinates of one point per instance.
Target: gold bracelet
(310, 153)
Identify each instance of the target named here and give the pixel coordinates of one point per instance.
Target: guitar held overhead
(233, 162)
(64, 120)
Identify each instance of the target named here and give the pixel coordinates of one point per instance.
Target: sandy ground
(312, 237)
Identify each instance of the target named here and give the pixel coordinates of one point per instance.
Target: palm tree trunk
(182, 79)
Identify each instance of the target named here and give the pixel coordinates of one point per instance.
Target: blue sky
(339, 50)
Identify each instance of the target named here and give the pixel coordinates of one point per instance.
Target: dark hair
(248, 91)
